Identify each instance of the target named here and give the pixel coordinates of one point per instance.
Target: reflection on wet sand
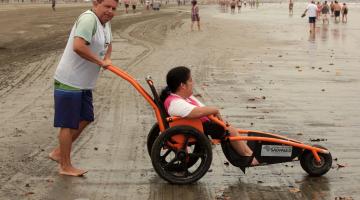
(315, 188)
(164, 191)
(335, 33)
(324, 35)
(258, 191)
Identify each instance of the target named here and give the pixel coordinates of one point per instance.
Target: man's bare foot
(72, 171)
(55, 155)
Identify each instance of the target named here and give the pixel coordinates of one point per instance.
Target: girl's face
(188, 87)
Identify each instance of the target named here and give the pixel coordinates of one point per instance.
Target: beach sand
(261, 67)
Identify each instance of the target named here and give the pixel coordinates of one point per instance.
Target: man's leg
(65, 140)
(313, 27)
(55, 154)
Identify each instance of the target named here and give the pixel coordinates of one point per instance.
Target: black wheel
(171, 160)
(153, 134)
(311, 166)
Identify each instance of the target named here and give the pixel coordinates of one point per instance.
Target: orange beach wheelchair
(182, 154)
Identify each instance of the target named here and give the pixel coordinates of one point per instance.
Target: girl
(179, 101)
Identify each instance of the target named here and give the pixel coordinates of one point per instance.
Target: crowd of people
(233, 4)
(335, 8)
(322, 11)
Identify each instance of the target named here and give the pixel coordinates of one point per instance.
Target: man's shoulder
(89, 15)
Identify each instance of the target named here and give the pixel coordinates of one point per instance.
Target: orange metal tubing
(243, 131)
(265, 139)
(141, 90)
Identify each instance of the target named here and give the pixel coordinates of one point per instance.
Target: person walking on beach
(126, 4)
(232, 6)
(325, 12)
(53, 3)
(332, 8)
(239, 2)
(147, 4)
(87, 51)
(195, 15)
(133, 5)
(337, 9)
(291, 7)
(311, 10)
(344, 12)
(318, 11)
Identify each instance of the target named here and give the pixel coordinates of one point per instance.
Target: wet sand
(310, 87)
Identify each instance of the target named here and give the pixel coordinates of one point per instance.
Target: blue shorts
(72, 107)
(312, 19)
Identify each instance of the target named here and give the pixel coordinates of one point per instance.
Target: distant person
(344, 12)
(337, 10)
(291, 7)
(147, 4)
(126, 4)
(244, 3)
(133, 5)
(232, 6)
(332, 8)
(325, 12)
(318, 11)
(239, 2)
(53, 3)
(195, 15)
(311, 10)
(87, 51)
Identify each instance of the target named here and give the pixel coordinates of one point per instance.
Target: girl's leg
(241, 147)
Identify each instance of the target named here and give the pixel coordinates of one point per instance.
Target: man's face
(105, 10)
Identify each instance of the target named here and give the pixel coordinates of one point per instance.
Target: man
(337, 9)
(53, 3)
(344, 12)
(291, 7)
(311, 10)
(325, 12)
(87, 50)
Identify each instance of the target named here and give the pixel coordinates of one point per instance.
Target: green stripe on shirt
(62, 86)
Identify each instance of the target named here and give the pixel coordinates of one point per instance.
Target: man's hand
(105, 63)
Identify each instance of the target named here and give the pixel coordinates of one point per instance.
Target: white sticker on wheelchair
(276, 150)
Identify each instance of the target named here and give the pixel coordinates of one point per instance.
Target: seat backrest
(157, 101)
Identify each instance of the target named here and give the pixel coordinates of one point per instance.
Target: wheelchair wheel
(311, 166)
(154, 133)
(171, 159)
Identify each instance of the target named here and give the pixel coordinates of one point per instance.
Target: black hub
(181, 155)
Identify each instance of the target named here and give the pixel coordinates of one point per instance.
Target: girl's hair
(193, 2)
(174, 78)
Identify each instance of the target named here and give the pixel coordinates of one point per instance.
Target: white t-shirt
(74, 70)
(311, 10)
(181, 107)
